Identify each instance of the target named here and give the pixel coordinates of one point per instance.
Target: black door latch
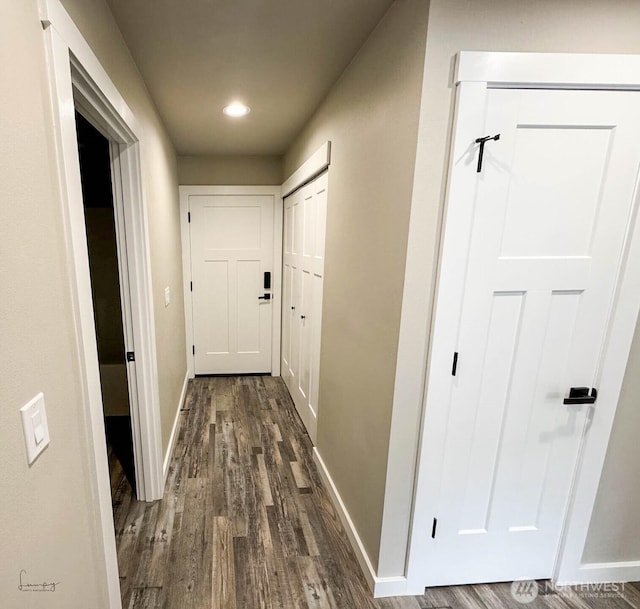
(581, 395)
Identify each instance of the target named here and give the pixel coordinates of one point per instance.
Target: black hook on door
(482, 141)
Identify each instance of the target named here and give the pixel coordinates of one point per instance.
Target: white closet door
(550, 215)
(303, 275)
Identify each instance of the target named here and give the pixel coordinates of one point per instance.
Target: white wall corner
(174, 431)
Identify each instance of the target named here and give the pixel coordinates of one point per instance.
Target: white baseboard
(605, 572)
(593, 573)
(174, 430)
(380, 586)
(347, 523)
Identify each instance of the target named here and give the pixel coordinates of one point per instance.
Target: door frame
(274, 191)
(78, 80)
(475, 72)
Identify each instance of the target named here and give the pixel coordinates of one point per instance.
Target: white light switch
(38, 429)
(167, 296)
(34, 425)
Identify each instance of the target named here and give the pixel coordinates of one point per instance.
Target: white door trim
(76, 78)
(312, 167)
(275, 192)
(549, 70)
(475, 71)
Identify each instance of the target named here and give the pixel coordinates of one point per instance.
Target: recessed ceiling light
(236, 109)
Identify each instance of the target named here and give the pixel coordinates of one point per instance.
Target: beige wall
(371, 118)
(230, 170)
(582, 26)
(159, 168)
(47, 514)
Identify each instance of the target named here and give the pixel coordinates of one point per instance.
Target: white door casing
(232, 249)
(303, 277)
(77, 79)
(597, 359)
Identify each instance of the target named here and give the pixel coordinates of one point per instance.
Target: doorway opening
(107, 297)
(77, 80)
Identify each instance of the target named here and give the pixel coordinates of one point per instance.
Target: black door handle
(581, 395)
(265, 297)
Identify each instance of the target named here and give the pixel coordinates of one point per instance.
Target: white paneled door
(303, 277)
(231, 263)
(551, 209)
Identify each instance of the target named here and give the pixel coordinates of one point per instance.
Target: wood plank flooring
(246, 523)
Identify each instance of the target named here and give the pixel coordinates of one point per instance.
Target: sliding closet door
(303, 275)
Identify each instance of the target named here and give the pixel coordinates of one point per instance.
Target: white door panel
(551, 211)
(287, 313)
(314, 347)
(304, 226)
(295, 326)
(306, 323)
(231, 249)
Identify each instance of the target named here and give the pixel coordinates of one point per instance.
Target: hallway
(246, 523)
(245, 517)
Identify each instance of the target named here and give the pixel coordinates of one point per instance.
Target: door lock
(265, 297)
(581, 395)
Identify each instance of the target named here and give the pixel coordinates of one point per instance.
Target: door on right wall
(302, 280)
(552, 207)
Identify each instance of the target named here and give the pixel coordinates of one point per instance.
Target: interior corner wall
(47, 513)
(226, 170)
(160, 184)
(561, 26)
(371, 118)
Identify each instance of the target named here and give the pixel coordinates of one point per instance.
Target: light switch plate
(167, 296)
(34, 426)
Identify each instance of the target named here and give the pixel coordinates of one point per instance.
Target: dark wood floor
(246, 523)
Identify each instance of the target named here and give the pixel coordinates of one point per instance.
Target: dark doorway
(97, 194)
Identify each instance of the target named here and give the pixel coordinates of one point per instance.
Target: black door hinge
(189, 217)
(131, 356)
(191, 285)
(193, 349)
(454, 367)
(433, 528)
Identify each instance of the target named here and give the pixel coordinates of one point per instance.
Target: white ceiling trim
(313, 166)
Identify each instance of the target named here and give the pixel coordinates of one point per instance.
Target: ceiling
(278, 56)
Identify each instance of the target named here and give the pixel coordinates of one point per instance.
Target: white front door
(231, 253)
(552, 204)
